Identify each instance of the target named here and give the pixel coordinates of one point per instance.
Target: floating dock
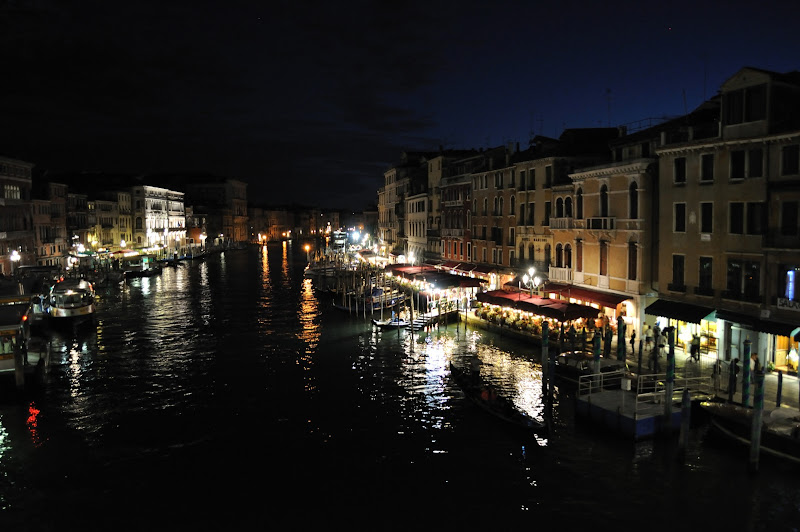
(634, 406)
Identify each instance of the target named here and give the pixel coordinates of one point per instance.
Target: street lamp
(15, 257)
(531, 280)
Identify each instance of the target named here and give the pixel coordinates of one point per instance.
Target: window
(568, 256)
(679, 218)
(579, 203)
(521, 214)
(737, 164)
(756, 218)
(559, 257)
(679, 170)
(752, 280)
(677, 273)
(707, 167)
(530, 214)
(705, 274)
(522, 182)
(604, 201)
(532, 179)
(546, 213)
(633, 200)
(743, 280)
(548, 176)
(579, 255)
(755, 163)
(789, 218)
(790, 159)
(559, 208)
(745, 105)
(513, 208)
(736, 219)
(568, 207)
(632, 260)
(706, 217)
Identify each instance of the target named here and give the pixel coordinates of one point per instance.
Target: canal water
(230, 393)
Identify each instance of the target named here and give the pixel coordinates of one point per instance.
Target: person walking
(694, 350)
(633, 343)
(648, 337)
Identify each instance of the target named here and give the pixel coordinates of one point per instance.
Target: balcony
(560, 274)
(452, 232)
(561, 223)
(704, 291)
(604, 223)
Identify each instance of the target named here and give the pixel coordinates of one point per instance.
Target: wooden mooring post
(755, 429)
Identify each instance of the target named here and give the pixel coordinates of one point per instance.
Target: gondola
(500, 407)
(390, 323)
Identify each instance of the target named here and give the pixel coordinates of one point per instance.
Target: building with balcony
(159, 219)
(728, 238)
(17, 239)
(50, 224)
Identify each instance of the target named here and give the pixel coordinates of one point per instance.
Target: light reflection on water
(234, 369)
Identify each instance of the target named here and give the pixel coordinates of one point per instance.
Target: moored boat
(72, 300)
(390, 323)
(780, 427)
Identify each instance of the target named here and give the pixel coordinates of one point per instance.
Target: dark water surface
(229, 394)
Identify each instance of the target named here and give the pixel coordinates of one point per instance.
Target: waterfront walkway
(684, 366)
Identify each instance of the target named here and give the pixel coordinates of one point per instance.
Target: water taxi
(72, 300)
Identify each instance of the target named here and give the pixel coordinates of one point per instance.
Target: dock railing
(648, 389)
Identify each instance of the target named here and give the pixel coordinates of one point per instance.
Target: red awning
(484, 269)
(605, 299)
(465, 267)
(450, 265)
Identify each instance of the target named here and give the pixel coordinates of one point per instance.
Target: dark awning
(605, 299)
(757, 324)
(678, 310)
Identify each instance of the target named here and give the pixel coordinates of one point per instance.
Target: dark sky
(310, 102)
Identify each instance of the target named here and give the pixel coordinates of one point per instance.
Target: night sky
(309, 102)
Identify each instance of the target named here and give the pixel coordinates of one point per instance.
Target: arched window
(568, 207)
(559, 264)
(521, 251)
(579, 201)
(568, 256)
(633, 193)
(547, 258)
(530, 252)
(485, 206)
(559, 208)
(579, 255)
(513, 208)
(604, 201)
(500, 212)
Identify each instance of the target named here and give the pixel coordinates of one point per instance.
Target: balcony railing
(561, 223)
(704, 291)
(605, 223)
(560, 274)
